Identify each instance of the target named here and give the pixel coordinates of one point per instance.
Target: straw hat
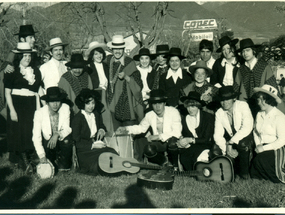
(272, 91)
(24, 47)
(94, 45)
(117, 42)
(56, 42)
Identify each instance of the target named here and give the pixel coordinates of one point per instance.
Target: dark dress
(19, 134)
(92, 71)
(173, 90)
(205, 132)
(87, 158)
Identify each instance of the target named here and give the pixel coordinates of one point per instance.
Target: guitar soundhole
(127, 164)
(206, 172)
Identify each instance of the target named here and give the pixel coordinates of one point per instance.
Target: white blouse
(91, 121)
(103, 82)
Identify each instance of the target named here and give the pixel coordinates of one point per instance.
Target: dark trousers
(61, 155)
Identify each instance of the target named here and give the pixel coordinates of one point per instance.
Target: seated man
(165, 123)
(51, 130)
(233, 130)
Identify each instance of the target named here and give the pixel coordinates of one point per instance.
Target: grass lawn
(73, 190)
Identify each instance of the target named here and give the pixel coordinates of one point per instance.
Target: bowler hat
(174, 51)
(226, 40)
(161, 50)
(23, 47)
(55, 42)
(76, 61)
(201, 64)
(227, 92)
(26, 30)
(53, 94)
(117, 42)
(94, 45)
(270, 90)
(157, 96)
(143, 51)
(193, 95)
(246, 43)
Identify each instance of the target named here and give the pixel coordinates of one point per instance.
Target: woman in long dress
(22, 90)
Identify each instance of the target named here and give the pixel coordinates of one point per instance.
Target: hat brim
(193, 68)
(56, 45)
(173, 55)
(71, 64)
(259, 89)
(137, 57)
(159, 100)
(223, 98)
(250, 46)
(30, 51)
(109, 44)
(100, 45)
(184, 98)
(232, 42)
(48, 99)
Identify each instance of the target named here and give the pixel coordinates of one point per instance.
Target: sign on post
(201, 36)
(200, 24)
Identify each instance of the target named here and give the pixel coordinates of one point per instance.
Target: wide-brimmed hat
(53, 94)
(161, 50)
(55, 42)
(76, 61)
(227, 92)
(193, 95)
(145, 52)
(270, 90)
(117, 42)
(24, 47)
(226, 40)
(174, 51)
(247, 43)
(26, 30)
(157, 96)
(93, 45)
(201, 64)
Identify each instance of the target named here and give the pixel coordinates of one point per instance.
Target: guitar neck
(146, 166)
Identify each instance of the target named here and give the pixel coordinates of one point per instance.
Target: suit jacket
(92, 71)
(219, 73)
(81, 131)
(243, 124)
(173, 89)
(204, 131)
(171, 124)
(42, 126)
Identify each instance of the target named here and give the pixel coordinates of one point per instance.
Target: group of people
(177, 115)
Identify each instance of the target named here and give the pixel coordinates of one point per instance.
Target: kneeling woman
(87, 128)
(197, 131)
(269, 137)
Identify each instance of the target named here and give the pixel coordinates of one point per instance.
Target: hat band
(53, 97)
(57, 44)
(157, 98)
(228, 95)
(24, 50)
(118, 44)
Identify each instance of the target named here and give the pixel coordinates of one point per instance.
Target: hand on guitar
(122, 130)
(231, 152)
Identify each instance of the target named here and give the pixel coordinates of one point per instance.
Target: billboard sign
(201, 36)
(200, 24)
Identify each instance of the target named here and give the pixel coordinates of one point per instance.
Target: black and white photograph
(146, 107)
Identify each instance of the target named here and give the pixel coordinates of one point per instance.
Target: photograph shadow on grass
(240, 203)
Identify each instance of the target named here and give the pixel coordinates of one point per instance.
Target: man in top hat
(55, 67)
(269, 137)
(51, 130)
(253, 73)
(26, 34)
(159, 68)
(124, 98)
(206, 48)
(233, 130)
(165, 123)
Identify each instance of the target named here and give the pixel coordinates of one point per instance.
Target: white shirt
(229, 68)
(103, 82)
(193, 122)
(144, 73)
(174, 74)
(269, 129)
(90, 118)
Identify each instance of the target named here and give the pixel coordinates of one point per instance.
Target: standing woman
(225, 68)
(22, 95)
(144, 67)
(87, 131)
(175, 79)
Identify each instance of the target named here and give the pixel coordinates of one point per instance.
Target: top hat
(76, 61)
(226, 40)
(174, 51)
(143, 51)
(201, 64)
(246, 43)
(55, 42)
(26, 30)
(272, 91)
(193, 95)
(53, 94)
(117, 42)
(94, 45)
(23, 47)
(227, 92)
(157, 96)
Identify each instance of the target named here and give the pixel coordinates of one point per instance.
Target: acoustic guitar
(219, 169)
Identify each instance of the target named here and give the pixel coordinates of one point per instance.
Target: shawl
(76, 83)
